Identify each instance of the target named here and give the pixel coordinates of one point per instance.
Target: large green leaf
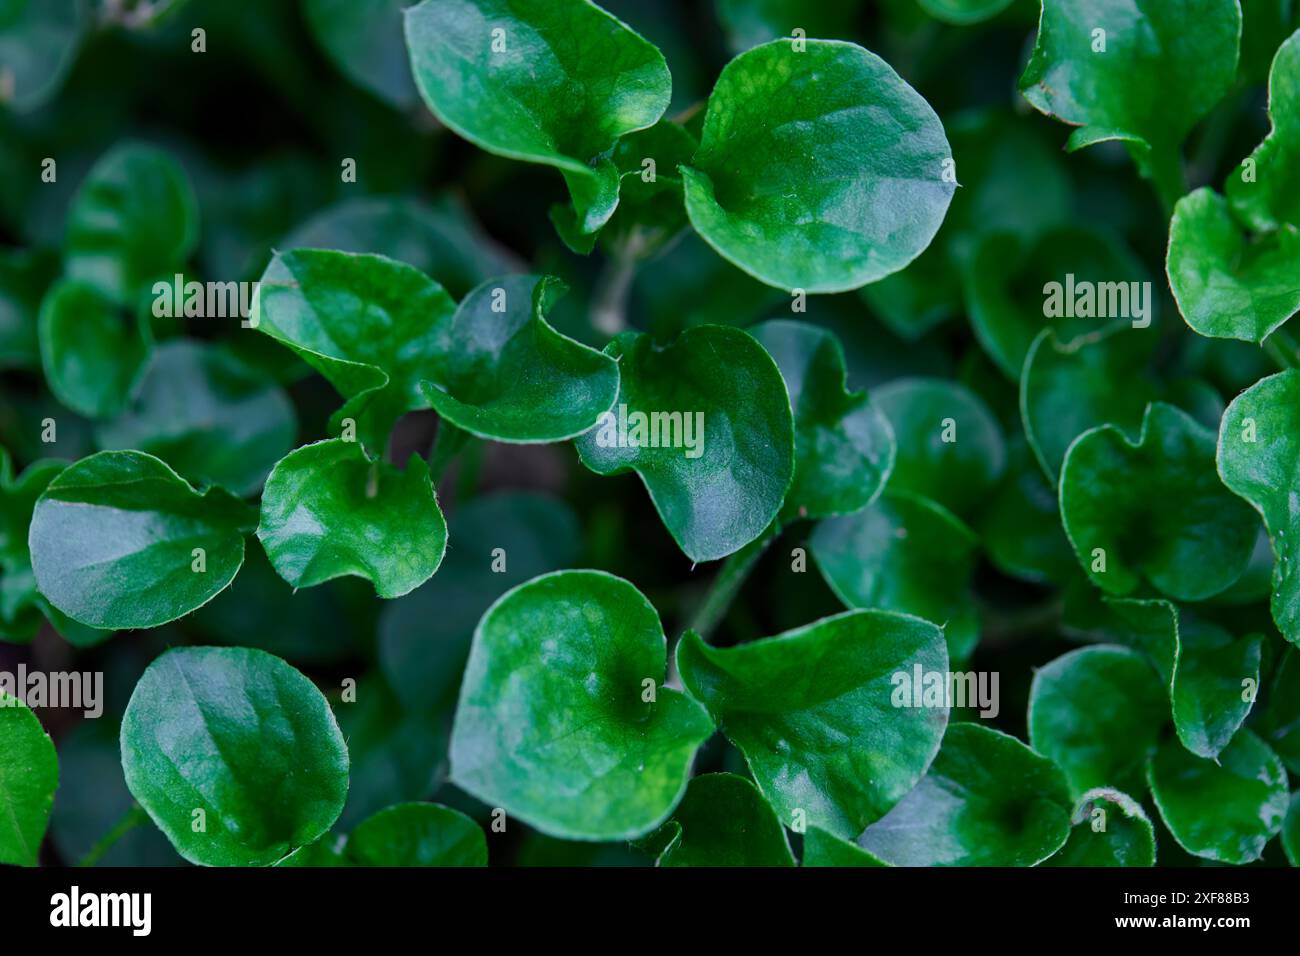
(1097, 712)
(844, 447)
(208, 416)
(364, 39)
(816, 711)
(563, 718)
(1109, 828)
(555, 83)
(29, 775)
(1154, 509)
(988, 800)
(328, 511)
(802, 178)
(417, 834)
(38, 42)
(118, 540)
(1224, 809)
(723, 821)
(706, 423)
(134, 220)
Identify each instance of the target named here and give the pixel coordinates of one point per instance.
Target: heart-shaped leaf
(1224, 809)
(844, 447)
(119, 540)
(783, 700)
(418, 834)
(1109, 828)
(908, 554)
(236, 740)
(563, 718)
(208, 416)
(988, 800)
(1154, 509)
(38, 42)
(802, 178)
(364, 39)
(134, 220)
(556, 83)
(29, 775)
(1097, 712)
(706, 423)
(328, 511)
(825, 849)
(722, 821)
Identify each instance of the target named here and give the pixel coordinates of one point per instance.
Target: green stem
(1166, 171)
(610, 294)
(1283, 348)
(447, 444)
(731, 578)
(132, 819)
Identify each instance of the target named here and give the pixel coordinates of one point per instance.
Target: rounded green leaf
(240, 740)
(38, 43)
(802, 178)
(328, 511)
(94, 356)
(555, 83)
(134, 220)
(723, 821)
(1097, 712)
(1109, 828)
(563, 718)
(1269, 198)
(29, 775)
(816, 712)
(706, 423)
(908, 554)
(208, 416)
(950, 447)
(825, 849)
(988, 800)
(844, 447)
(1224, 809)
(364, 39)
(418, 834)
(1154, 509)
(119, 540)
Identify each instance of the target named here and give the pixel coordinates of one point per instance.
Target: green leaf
(1270, 198)
(825, 849)
(1280, 722)
(907, 554)
(24, 277)
(988, 800)
(243, 737)
(1109, 828)
(844, 447)
(556, 83)
(1258, 458)
(328, 511)
(950, 447)
(1020, 524)
(208, 416)
(1291, 831)
(418, 834)
(1224, 809)
(723, 821)
(38, 43)
(964, 12)
(1154, 509)
(802, 179)
(94, 356)
(29, 775)
(114, 539)
(554, 724)
(748, 23)
(706, 423)
(1097, 712)
(814, 712)
(364, 39)
(134, 220)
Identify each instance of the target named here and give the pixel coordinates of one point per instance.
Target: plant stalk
(132, 819)
(731, 578)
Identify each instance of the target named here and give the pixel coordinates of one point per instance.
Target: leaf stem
(1282, 348)
(610, 294)
(731, 578)
(447, 444)
(132, 819)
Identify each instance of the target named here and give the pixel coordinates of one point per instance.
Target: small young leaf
(563, 718)
(1224, 809)
(706, 423)
(114, 540)
(328, 511)
(1109, 828)
(418, 834)
(1097, 712)
(802, 179)
(234, 754)
(988, 800)
(1154, 509)
(825, 849)
(29, 775)
(364, 39)
(207, 416)
(723, 821)
(556, 83)
(782, 700)
(38, 42)
(844, 447)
